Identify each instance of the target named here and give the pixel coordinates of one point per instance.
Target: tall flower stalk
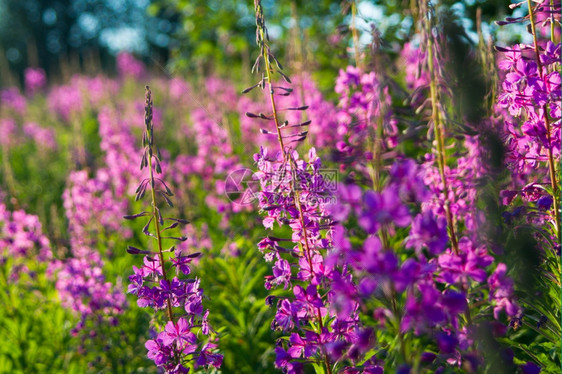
(149, 153)
(546, 119)
(531, 91)
(294, 194)
(438, 127)
(530, 96)
(266, 54)
(175, 347)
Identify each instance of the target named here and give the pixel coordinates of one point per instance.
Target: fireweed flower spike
(294, 193)
(531, 91)
(175, 348)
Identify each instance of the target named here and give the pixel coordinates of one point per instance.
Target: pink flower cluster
(84, 289)
(12, 99)
(92, 209)
(363, 99)
(129, 66)
(23, 242)
(527, 92)
(92, 212)
(35, 80)
(44, 137)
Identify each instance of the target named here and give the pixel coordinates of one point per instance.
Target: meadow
(407, 220)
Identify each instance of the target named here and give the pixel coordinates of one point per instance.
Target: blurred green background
(205, 36)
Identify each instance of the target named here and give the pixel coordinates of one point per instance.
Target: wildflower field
(406, 219)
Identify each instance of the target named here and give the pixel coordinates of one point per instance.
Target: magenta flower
(383, 209)
(447, 342)
(299, 346)
(530, 368)
(281, 274)
(501, 291)
(157, 351)
(151, 267)
(284, 316)
(136, 281)
(178, 333)
(208, 357)
(428, 232)
(14, 100)
(471, 262)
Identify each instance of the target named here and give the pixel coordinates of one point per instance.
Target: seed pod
(277, 62)
(168, 201)
(289, 90)
(298, 140)
(135, 216)
(141, 192)
(286, 78)
(136, 251)
(146, 227)
(160, 218)
(172, 226)
(256, 66)
(182, 221)
(168, 191)
(305, 123)
(246, 90)
(181, 239)
(143, 160)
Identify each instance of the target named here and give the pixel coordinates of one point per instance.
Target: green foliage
(236, 294)
(34, 327)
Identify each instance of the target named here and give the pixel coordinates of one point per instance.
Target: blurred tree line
(63, 35)
(204, 36)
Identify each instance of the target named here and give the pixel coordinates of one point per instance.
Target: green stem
(398, 322)
(376, 163)
(155, 215)
(467, 313)
(552, 20)
(355, 35)
(9, 176)
(439, 137)
(439, 129)
(271, 97)
(159, 239)
(551, 164)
